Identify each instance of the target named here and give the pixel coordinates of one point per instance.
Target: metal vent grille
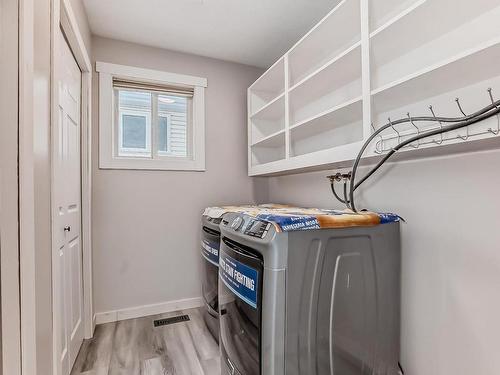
(167, 321)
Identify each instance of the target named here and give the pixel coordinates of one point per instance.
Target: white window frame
(108, 158)
(168, 116)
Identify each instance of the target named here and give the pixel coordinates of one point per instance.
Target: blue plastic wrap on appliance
(291, 223)
(386, 218)
(308, 219)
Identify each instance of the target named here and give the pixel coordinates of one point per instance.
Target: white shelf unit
(340, 126)
(368, 61)
(267, 88)
(403, 47)
(269, 149)
(335, 84)
(269, 119)
(326, 41)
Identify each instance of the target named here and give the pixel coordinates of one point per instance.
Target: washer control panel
(215, 220)
(237, 223)
(257, 228)
(248, 226)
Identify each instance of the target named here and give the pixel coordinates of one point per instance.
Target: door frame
(63, 18)
(27, 247)
(10, 303)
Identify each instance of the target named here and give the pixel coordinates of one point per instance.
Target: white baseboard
(140, 311)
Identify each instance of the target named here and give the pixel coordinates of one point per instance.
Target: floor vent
(167, 321)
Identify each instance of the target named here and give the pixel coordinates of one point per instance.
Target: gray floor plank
(135, 347)
(205, 345)
(155, 366)
(95, 353)
(211, 366)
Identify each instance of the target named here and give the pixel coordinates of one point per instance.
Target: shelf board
(397, 18)
(269, 167)
(327, 112)
(381, 12)
(335, 84)
(330, 14)
(335, 32)
(261, 85)
(335, 128)
(343, 157)
(455, 72)
(273, 140)
(338, 157)
(266, 107)
(404, 33)
(326, 65)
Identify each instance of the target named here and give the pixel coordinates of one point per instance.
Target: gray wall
(146, 223)
(83, 24)
(451, 257)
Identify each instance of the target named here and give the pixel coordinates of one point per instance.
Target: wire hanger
(457, 100)
(497, 131)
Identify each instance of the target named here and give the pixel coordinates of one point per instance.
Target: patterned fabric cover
(287, 218)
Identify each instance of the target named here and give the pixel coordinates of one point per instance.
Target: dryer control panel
(257, 228)
(248, 226)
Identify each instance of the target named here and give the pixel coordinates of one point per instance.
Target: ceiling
(253, 32)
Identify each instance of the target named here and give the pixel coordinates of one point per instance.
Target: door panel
(63, 334)
(240, 322)
(347, 313)
(210, 246)
(68, 284)
(76, 301)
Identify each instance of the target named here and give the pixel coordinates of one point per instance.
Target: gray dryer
(309, 302)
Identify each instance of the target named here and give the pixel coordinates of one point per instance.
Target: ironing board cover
(216, 212)
(287, 218)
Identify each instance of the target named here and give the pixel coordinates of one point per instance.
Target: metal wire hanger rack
(414, 140)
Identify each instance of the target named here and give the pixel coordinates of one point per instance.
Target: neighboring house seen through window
(151, 124)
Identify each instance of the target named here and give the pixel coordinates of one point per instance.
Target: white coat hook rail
(438, 142)
(417, 133)
(395, 130)
(379, 145)
(491, 130)
(466, 136)
(384, 143)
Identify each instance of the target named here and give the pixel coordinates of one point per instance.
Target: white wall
(146, 223)
(451, 255)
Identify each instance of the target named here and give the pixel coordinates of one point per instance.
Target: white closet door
(68, 284)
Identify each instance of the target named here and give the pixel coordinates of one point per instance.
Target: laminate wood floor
(136, 347)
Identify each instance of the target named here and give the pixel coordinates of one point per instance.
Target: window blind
(161, 89)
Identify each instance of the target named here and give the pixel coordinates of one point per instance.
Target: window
(151, 124)
(150, 119)
(134, 123)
